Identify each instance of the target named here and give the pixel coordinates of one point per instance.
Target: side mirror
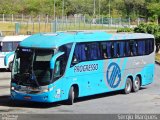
(54, 58)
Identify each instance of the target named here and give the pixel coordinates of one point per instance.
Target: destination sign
(26, 50)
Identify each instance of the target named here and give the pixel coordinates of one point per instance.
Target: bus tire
(71, 96)
(136, 84)
(10, 66)
(128, 86)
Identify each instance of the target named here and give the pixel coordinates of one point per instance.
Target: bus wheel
(71, 96)
(136, 84)
(128, 86)
(10, 66)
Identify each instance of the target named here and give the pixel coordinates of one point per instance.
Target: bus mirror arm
(54, 58)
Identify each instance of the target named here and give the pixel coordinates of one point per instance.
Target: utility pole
(94, 8)
(109, 8)
(62, 14)
(62, 9)
(54, 9)
(99, 8)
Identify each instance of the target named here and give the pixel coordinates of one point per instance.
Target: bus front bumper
(46, 97)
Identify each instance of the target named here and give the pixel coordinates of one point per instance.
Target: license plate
(27, 97)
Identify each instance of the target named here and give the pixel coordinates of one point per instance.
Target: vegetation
(125, 29)
(157, 57)
(148, 9)
(150, 28)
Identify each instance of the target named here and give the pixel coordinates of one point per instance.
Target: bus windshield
(32, 66)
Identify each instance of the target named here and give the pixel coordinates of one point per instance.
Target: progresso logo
(113, 75)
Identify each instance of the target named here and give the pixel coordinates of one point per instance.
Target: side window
(103, 46)
(149, 46)
(59, 68)
(15, 44)
(1, 46)
(94, 51)
(66, 49)
(61, 62)
(116, 49)
(141, 47)
(7, 47)
(80, 53)
(133, 48)
(86, 52)
(107, 50)
(121, 49)
(127, 49)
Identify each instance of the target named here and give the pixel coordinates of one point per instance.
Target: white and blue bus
(8, 45)
(50, 67)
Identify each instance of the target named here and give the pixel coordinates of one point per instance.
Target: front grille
(34, 92)
(28, 89)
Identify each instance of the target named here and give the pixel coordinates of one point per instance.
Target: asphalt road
(147, 100)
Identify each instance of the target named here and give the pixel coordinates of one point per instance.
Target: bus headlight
(12, 88)
(47, 90)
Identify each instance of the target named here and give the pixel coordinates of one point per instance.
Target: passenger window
(0, 48)
(106, 50)
(109, 50)
(148, 47)
(151, 45)
(133, 48)
(79, 53)
(141, 47)
(103, 47)
(127, 49)
(122, 49)
(116, 49)
(94, 51)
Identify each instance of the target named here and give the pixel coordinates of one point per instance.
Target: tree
(154, 10)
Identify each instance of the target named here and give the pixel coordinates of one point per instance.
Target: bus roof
(54, 40)
(13, 38)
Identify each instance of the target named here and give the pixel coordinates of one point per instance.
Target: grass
(157, 57)
(9, 28)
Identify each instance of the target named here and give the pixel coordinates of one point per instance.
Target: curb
(157, 62)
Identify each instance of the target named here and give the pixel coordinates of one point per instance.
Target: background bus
(64, 66)
(8, 44)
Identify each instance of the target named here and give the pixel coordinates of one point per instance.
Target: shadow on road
(5, 101)
(92, 97)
